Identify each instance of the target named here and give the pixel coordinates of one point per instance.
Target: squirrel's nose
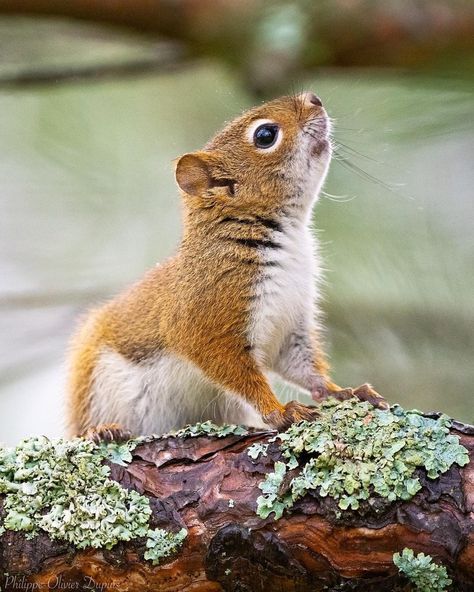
(310, 99)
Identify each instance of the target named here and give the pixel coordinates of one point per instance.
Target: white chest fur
(285, 290)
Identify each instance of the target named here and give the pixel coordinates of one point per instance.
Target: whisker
(311, 133)
(335, 124)
(317, 118)
(297, 103)
(337, 198)
(343, 154)
(346, 163)
(214, 402)
(339, 144)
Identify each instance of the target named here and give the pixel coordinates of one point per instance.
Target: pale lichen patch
(257, 449)
(119, 453)
(354, 451)
(62, 487)
(207, 428)
(422, 572)
(161, 543)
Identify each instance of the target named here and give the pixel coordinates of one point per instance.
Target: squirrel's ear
(194, 172)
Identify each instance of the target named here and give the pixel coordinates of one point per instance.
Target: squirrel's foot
(107, 432)
(364, 392)
(293, 412)
(324, 392)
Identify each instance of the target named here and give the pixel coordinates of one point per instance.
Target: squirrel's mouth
(319, 147)
(317, 131)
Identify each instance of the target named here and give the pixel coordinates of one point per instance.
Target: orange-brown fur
(196, 304)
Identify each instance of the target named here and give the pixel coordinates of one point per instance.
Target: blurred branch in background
(270, 40)
(167, 58)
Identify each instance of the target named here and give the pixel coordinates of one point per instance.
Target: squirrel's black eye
(265, 135)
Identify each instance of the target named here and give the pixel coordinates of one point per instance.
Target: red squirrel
(196, 338)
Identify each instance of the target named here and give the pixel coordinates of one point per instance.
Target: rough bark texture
(190, 483)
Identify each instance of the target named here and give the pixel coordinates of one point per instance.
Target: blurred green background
(88, 200)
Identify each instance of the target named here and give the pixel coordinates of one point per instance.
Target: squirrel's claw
(340, 394)
(292, 413)
(364, 392)
(107, 432)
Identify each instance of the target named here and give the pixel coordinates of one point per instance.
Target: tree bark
(210, 485)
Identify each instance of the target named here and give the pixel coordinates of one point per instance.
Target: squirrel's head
(272, 158)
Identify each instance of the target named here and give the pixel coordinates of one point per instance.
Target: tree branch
(168, 62)
(210, 485)
(188, 20)
(252, 35)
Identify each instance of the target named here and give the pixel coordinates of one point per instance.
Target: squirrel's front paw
(321, 393)
(107, 432)
(293, 412)
(364, 392)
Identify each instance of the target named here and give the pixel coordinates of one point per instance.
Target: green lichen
(423, 573)
(257, 449)
(62, 487)
(161, 543)
(119, 453)
(207, 428)
(354, 451)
